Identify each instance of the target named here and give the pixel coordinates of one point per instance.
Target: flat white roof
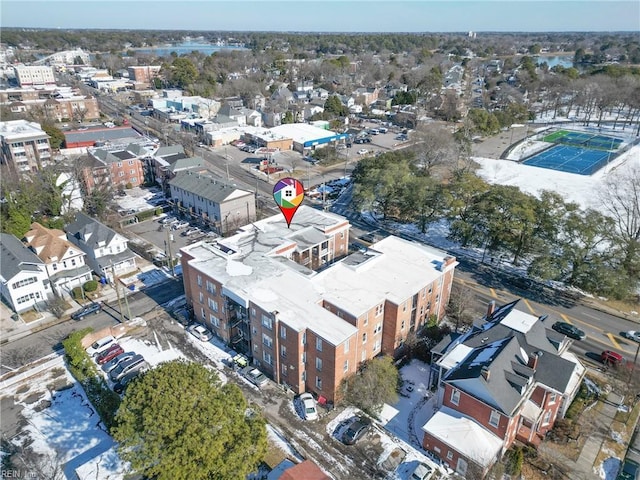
(455, 356)
(15, 129)
(519, 321)
(302, 132)
(395, 269)
(464, 435)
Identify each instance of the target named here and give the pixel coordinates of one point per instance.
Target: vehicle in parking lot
(609, 357)
(93, 307)
(569, 330)
(179, 225)
(383, 130)
(362, 140)
(632, 335)
(256, 377)
(191, 231)
(121, 385)
(363, 151)
(134, 363)
(200, 332)
(309, 410)
(123, 357)
(630, 470)
(109, 354)
(100, 345)
(422, 471)
(358, 426)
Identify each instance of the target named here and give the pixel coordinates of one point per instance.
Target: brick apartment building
(124, 165)
(508, 378)
(24, 146)
(143, 74)
(57, 103)
(304, 310)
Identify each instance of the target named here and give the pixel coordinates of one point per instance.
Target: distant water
(186, 48)
(564, 61)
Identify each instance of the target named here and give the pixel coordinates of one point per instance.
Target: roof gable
(15, 257)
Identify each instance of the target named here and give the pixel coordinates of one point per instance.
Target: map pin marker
(288, 194)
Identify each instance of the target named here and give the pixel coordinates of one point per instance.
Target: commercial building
(305, 311)
(24, 146)
(307, 137)
(29, 75)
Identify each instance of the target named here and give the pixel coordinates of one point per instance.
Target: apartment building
(124, 163)
(57, 103)
(143, 74)
(24, 146)
(29, 75)
(304, 310)
(509, 378)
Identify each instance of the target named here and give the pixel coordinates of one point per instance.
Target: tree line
(596, 251)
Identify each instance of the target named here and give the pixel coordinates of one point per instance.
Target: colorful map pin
(288, 194)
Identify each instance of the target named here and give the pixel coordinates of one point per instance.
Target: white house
(107, 251)
(23, 276)
(63, 261)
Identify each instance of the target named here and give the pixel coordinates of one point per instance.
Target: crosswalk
(345, 212)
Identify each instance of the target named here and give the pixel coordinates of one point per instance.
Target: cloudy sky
(328, 15)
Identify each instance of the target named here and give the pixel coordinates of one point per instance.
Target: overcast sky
(328, 15)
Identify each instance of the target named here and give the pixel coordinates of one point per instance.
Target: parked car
(363, 151)
(121, 385)
(191, 231)
(109, 354)
(422, 471)
(100, 345)
(125, 367)
(358, 426)
(256, 377)
(200, 332)
(630, 471)
(569, 330)
(93, 307)
(362, 140)
(632, 335)
(609, 357)
(383, 130)
(123, 357)
(309, 410)
(179, 225)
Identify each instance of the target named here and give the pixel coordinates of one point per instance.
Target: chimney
(486, 373)
(491, 308)
(533, 360)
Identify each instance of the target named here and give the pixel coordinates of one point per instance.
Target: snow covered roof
(457, 355)
(464, 435)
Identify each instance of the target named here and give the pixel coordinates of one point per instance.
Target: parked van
(100, 345)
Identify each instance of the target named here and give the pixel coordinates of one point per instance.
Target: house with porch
(507, 379)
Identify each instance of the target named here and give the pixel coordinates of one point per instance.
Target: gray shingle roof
(170, 150)
(101, 134)
(207, 187)
(16, 257)
(85, 226)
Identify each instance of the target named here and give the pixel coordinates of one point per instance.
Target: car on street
(100, 345)
(569, 330)
(107, 367)
(200, 332)
(109, 354)
(358, 426)
(609, 357)
(256, 377)
(134, 363)
(93, 307)
(422, 471)
(363, 151)
(309, 410)
(632, 335)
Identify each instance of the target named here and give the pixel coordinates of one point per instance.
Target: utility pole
(167, 243)
(115, 283)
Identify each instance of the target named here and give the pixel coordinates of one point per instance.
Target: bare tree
(458, 308)
(435, 147)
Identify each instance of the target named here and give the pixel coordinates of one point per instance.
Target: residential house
(125, 164)
(63, 261)
(508, 378)
(212, 201)
(306, 470)
(282, 96)
(365, 96)
(24, 146)
(23, 276)
(168, 161)
(106, 251)
(305, 312)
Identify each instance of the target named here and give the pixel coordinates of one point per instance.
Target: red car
(611, 358)
(109, 354)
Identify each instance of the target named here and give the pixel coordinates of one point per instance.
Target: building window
(494, 419)
(283, 369)
(283, 331)
(364, 337)
(304, 376)
(318, 364)
(201, 297)
(215, 321)
(363, 356)
(304, 338)
(267, 322)
(346, 346)
(304, 358)
(199, 281)
(436, 449)
(379, 310)
(26, 281)
(211, 287)
(402, 325)
(376, 346)
(319, 344)
(366, 319)
(121, 174)
(133, 180)
(547, 417)
(378, 328)
(283, 351)
(318, 383)
(253, 312)
(455, 396)
(130, 162)
(119, 164)
(132, 172)
(267, 341)
(54, 266)
(345, 368)
(213, 305)
(449, 455)
(267, 358)
(203, 314)
(552, 398)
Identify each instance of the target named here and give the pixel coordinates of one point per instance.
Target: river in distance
(185, 48)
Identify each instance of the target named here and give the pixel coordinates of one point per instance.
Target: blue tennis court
(569, 159)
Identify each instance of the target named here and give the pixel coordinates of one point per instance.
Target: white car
(179, 225)
(256, 377)
(363, 151)
(310, 412)
(422, 471)
(100, 345)
(200, 332)
(632, 335)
